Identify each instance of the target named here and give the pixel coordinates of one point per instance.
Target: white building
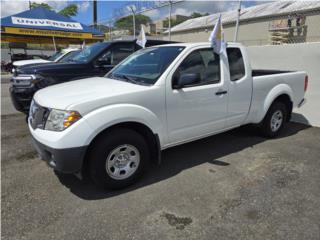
(259, 25)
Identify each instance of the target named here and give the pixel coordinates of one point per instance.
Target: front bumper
(66, 160)
(21, 98)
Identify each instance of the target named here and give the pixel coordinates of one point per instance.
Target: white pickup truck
(158, 97)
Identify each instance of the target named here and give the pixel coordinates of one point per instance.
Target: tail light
(306, 79)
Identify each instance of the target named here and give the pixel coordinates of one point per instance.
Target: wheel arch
(284, 98)
(151, 138)
(281, 93)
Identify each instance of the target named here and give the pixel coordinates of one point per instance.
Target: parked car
(94, 60)
(16, 54)
(17, 57)
(54, 58)
(157, 98)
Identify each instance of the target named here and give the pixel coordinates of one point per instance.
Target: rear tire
(275, 120)
(118, 158)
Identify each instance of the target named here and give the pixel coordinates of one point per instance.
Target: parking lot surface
(6, 103)
(235, 185)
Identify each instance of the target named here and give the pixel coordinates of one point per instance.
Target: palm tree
(68, 11)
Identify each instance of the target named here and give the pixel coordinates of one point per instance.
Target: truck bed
(267, 83)
(262, 72)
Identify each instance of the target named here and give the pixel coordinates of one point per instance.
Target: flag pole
(237, 23)
(170, 12)
(54, 44)
(133, 20)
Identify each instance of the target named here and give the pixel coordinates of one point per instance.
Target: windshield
(55, 56)
(145, 66)
(89, 52)
(69, 56)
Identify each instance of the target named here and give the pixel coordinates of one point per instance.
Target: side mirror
(186, 79)
(103, 62)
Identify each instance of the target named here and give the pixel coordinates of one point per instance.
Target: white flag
(217, 37)
(141, 40)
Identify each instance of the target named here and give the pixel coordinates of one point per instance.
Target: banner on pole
(217, 37)
(141, 40)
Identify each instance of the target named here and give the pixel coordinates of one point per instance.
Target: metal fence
(292, 34)
(134, 8)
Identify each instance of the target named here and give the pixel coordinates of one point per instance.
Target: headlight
(24, 80)
(58, 120)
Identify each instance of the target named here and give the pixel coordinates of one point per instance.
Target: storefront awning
(40, 23)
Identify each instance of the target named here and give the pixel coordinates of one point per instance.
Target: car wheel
(118, 158)
(274, 120)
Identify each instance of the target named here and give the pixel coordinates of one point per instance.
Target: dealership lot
(233, 185)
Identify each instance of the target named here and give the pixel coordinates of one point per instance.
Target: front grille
(22, 81)
(38, 115)
(23, 95)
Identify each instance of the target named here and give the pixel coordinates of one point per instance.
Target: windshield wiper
(116, 77)
(128, 79)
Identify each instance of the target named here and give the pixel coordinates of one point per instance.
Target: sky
(108, 10)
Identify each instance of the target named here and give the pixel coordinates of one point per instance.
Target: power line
(140, 7)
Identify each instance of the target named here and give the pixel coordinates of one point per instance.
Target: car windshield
(55, 56)
(69, 56)
(145, 66)
(89, 52)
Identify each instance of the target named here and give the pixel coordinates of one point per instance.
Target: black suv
(94, 60)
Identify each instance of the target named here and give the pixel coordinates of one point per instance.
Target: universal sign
(46, 23)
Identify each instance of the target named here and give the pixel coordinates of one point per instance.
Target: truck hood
(48, 67)
(27, 62)
(95, 92)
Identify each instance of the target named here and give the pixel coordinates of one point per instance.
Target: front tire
(118, 158)
(275, 120)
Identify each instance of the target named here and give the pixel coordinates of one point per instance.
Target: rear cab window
(117, 53)
(236, 63)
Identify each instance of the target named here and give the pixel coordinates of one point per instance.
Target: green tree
(126, 23)
(68, 11)
(196, 15)
(43, 5)
(177, 21)
(174, 22)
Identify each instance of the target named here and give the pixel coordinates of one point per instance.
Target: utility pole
(54, 44)
(110, 30)
(237, 23)
(29, 4)
(170, 11)
(94, 13)
(134, 25)
(134, 20)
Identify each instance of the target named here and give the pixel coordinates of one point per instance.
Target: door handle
(221, 92)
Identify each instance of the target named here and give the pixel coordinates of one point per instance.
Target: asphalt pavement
(234, 185)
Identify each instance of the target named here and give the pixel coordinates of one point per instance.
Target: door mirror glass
(187, 79)
(103, 62)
